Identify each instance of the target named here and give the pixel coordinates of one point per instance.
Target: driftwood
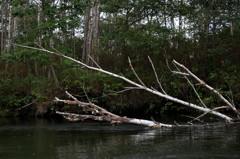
(102, 114)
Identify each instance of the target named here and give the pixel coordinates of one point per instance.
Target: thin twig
(133, 88)
(189, 82)
(209, 87)
(27, 104)
(192, 118)
(231, 98)
(180, 73)
(75, 99)
(197, 118)
(154, 120)
(130, 63)
(195, 91)
(86, 95)
(154, 70)
(55, 49)
(114, 93)
(94, 62)
(168, 65)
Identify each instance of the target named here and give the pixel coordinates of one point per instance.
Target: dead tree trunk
(100, 114)
(181, 70)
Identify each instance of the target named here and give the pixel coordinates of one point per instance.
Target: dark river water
(60, 139)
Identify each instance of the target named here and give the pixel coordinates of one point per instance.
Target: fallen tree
(101, 114)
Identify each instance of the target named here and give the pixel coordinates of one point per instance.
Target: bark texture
(100, 114)
(91, 31)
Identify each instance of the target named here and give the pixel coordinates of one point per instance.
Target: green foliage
(207, 43)
(230, 73)
(149, 37)
(4, 112)
(68, 63)
(16, 92)
(13, 94)
(23, 54)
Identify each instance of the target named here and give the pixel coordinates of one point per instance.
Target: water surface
(60, 139)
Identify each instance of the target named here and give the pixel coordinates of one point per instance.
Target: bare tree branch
(189, 82)
(130, 63)
(95, 62)
(207, 86)
(195, 91)
(200, 116)
(154, 70)
(192, 118)
(141, 86)
(27, 105)
(101, 114)
(180, 73)
(86, 95)
(118, 92)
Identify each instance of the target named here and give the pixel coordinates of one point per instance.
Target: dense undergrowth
(18, 90)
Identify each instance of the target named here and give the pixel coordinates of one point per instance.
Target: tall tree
(4, 24)
(91, 33)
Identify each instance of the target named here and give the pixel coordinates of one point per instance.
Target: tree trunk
(9, 26)
(39, 22)
(180, 22)
(95, 32)
(91, 31)
(73, 43)
(15, 27)
(2, 28)
(63, 15)
(85, 51)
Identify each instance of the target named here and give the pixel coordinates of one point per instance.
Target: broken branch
(101, 114)
(207, 86)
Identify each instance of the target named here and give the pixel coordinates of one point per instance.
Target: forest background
(204, 35)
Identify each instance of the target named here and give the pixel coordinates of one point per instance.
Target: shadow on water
(43, 138)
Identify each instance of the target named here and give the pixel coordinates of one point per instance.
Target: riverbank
(32, 95)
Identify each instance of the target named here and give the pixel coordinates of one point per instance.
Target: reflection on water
(64, 140)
